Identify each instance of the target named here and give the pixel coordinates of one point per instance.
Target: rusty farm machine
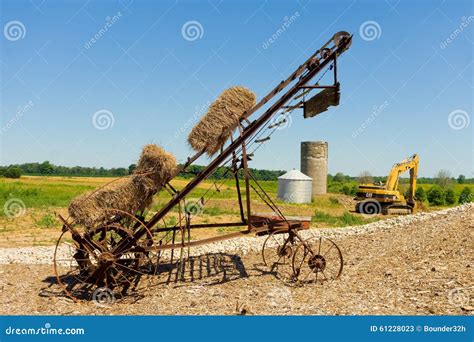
(117, 254)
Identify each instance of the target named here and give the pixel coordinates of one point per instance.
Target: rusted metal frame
(77, 237)
(298, 72)
(205, 241)
(172, 189)
(313, 62)
(182, 231)
(203, 225)
(247, 179)
(272, 204)
(252, 128)
(188, 229)
(318, 87)
(176, 227)
(173, 239)
(196, 243)
(237, 184)
(302, 95)
(283, 226)
(245, 134)
(188, 163)
(239, 197)
(290, 108)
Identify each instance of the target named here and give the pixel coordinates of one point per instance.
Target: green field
(44, 197)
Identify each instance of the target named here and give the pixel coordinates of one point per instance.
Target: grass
(40, 192)
(327, 202)
(456, 187)
(37, 195)
(216, 211)
(44, 197)
(47, 220)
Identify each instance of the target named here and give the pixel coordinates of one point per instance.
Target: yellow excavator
(386, 198)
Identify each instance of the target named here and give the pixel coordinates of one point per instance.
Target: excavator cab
(386, 198)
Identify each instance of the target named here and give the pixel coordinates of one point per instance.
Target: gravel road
(417, 264)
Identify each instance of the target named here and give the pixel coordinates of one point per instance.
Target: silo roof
(295, 175)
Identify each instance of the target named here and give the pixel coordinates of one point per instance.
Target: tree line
(47, 169)
(338, 180)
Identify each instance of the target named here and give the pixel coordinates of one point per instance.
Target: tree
(12, 172)
(131, 168)
(46, 168)
(339, 177)
(365, 178)
(420, 194)
(450, 197)
(461, 179)
(120, 171)
(354, 190)
(443, 179)
(436, 195)
(466, 195)
(346, 190)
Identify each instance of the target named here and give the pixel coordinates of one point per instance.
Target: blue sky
(412, 66)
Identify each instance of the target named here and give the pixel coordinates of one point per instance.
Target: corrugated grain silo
(295, 187)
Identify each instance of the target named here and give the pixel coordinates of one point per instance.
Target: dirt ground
(420, 269)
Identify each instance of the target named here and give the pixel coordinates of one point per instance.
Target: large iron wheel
(317, 260)
(94, 269)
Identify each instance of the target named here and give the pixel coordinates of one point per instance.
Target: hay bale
(132, 194)
(156, 164)
(217, 125)
(127, 194)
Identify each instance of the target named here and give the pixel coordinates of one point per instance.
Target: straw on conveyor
(222, 118)
(132, 194)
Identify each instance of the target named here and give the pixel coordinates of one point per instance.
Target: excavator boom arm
(410, 164)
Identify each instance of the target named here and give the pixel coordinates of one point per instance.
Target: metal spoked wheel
(95, 261)
(317, 260)
(277, 253)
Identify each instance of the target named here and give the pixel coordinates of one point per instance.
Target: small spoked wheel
(277, 253)
(317, 260)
